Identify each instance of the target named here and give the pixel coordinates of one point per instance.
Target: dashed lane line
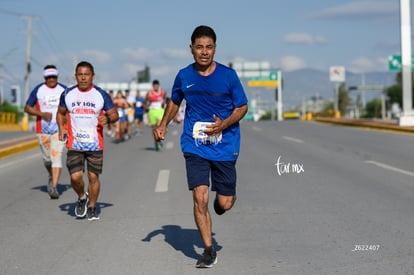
(169, 145)
(293, 139)
(389, 167)
(162, 181)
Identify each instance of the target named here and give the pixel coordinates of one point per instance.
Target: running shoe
(80, 209)
(217, 208)
(54, 194)
(92, 214)
(208, 259)
(49, 185)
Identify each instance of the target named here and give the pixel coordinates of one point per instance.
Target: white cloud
(364, 64)
(145, 54)
(162, 62)
(361, 9)
(303, 38)
(137, 54)
(132, 68)
(96, 56)
(291, 62)
(175, 53)
(164, 71)
(383, 62)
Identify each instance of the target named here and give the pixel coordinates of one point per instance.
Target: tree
(373, 109)
(343, 99)
(394, 92)
(6, 107)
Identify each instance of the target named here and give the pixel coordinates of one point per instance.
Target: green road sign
(270, 77)
(264, 81)
(394, 62)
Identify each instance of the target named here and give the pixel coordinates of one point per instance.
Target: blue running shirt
(216, 94)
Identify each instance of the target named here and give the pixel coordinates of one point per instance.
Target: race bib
(200, 136)
(51, 100)
(85, 135)
(138, 104)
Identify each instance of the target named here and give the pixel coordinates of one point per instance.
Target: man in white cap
(43, 103)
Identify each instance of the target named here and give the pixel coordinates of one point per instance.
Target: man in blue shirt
(139, 112)
(215, 103)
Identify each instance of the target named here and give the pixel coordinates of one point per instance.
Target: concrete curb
(18, 148)
(367, 124)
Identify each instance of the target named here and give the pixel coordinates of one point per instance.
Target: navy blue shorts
(140, 117)
(223, 174)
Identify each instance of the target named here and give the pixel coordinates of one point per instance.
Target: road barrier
(8, 118)
(18, 145)
(372, 124)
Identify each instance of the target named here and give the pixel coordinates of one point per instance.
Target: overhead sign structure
(251, 69)
(394, 62)
(261, 74)
(337, 74)
(271, 80)
(367, 88)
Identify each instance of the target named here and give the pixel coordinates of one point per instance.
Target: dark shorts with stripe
(223, 174)
(75, 161)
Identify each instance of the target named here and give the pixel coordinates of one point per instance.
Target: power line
(11, 13)
(50, 38)
(50, 45)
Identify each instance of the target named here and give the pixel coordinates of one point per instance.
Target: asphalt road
(312, 199)
(7, 136)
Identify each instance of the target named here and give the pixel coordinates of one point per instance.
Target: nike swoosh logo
(189, 86)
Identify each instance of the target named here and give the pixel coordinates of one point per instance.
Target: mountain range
(304, 84)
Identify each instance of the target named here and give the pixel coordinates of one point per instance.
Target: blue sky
(121, 37)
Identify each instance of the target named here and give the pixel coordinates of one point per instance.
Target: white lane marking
(257, 129)
(169, 145)
(293, 139)
(37, 155)
(162, 181)
(389, 167)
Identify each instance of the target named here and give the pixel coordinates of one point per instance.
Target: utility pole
(28, 57)
(1, 85)
(25, 121)
(279, 96)
(407, 117)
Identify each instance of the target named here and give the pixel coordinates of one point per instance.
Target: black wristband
(108, 120)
